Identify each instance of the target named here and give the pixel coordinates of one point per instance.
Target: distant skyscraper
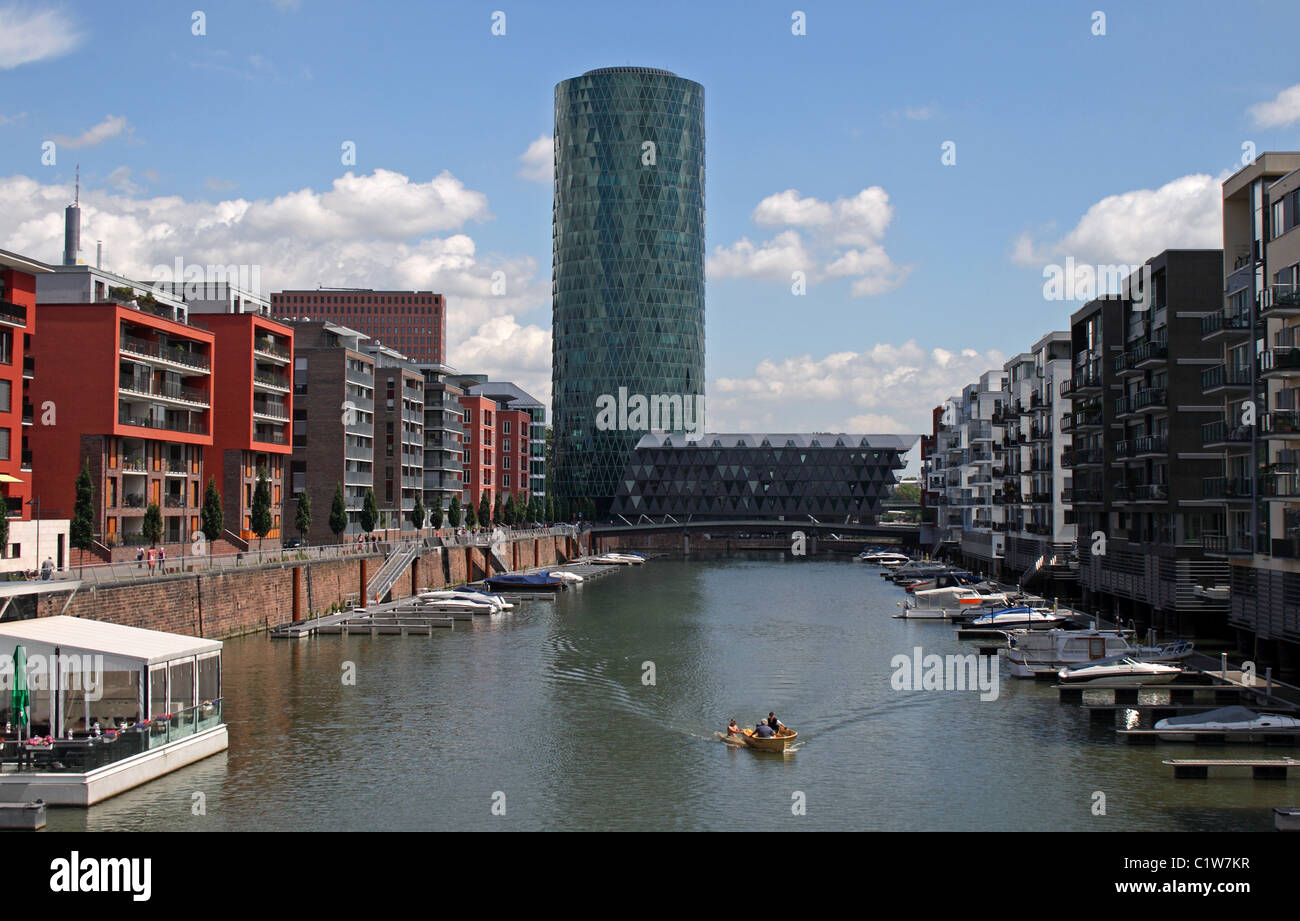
(628, 274)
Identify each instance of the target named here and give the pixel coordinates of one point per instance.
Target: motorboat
(524, 582)
(941, 580)
(1043, 653)
(456, 606)
(439, 596)
(915, 569)
(952, 602)
(621, 559)
(1121, 671)
(1019, 617)
(883, 557)
(571, 578)
(1225, 719)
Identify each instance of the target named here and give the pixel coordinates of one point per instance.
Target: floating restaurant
(91, 709)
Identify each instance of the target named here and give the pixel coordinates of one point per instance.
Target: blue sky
(1106, 148)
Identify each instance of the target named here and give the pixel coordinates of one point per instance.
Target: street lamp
(36, 501)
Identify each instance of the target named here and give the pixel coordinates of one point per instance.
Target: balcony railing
(266, 346)
(173, 353)
(1221, 487)
(1280, 483)
(1220, 432)
(272, 380)
(13, 314)
(1224, 320)
(173, 391)
(1225, 376)
(1280, 423)
(1280, 361)
(152, 422)
(1150, 492)
(1150, 444)
(1281, 298)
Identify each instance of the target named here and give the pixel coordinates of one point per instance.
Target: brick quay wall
(231, 602)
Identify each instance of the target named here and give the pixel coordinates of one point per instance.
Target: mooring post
(297, 593)
(365, 602)
(415, 577)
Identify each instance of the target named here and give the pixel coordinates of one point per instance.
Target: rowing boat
(777, 743)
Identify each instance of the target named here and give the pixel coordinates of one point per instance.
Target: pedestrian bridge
(907, 535)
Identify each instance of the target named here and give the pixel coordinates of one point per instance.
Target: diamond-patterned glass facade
(628, 261)
(829, 477)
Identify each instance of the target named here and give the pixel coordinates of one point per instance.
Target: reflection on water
(547, 706)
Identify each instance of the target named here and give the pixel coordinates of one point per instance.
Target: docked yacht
(570, 577)
(948, 579)
(1236, 720)
(1019, 617)
(1043, 653)
(888, 558)
(951, 602)
(1121, 671)
(915, 569)
(620, 559)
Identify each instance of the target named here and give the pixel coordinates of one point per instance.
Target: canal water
(546, 713)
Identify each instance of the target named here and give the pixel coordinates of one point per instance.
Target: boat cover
(519, 578)
(1222, 715)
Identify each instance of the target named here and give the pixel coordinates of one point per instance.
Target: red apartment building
(133, 396)
(252, 413)
(495, 451)
(411, 322)
(17, 326)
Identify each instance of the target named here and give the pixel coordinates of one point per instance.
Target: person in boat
(774, 723)
(763, 730)
(733, 729)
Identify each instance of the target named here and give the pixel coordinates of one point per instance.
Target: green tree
(485, 510)
(152, 526)
(509, 511)
(471, 518)
(261, 511)
(453, 512)
(302, 518)
(498, 512)
(369, 511)
(212, 517)
(339, 512)
(548, 512)
(81, 533)
(435, 515)
(418, 513)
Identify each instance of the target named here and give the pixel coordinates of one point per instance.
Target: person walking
(153, 556)
(139, 558)
(162, 559)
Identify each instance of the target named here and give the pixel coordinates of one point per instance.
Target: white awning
(122, 647)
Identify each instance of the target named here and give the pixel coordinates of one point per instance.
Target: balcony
(1086, 380)
(1082, 457)
(1085, 496)
(1280, 483)
(1280, 362)
(268, 435)
(12, 314)
(1228, 324)
(266, 347)
(1226, 545)
(1222, 487)
(168, 425)
(1149, 446)
(29, 367)
(1224, 377)
(276, 382)
(1280, 301)
(1144, 355)
(161, 390)
(1221, 435)
(1084, 419)
(270, 408)
(1280, 425)
(1150, 492)
(172, 354)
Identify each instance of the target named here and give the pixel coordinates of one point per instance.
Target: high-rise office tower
(628, 270)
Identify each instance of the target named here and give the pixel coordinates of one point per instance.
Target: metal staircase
(383, 581)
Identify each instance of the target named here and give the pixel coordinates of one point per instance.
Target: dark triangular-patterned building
(753, 476)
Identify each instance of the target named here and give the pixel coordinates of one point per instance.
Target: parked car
(290, 542)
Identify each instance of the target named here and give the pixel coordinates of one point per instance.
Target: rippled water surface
(547, 706)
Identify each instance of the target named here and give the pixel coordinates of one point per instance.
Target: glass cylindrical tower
(628, 269)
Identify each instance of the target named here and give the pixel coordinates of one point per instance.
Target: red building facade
(411, 322)
(17, 327)
(495, 451)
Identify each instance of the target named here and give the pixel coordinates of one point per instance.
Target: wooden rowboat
(778, 743)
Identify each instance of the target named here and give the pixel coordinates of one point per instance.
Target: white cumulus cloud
(29, 34)
(1282, 110)
(110, 127)
(538, 160)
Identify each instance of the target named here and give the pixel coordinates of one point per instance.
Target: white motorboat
(497, 603)
(571, 577)
(915, 569)
(953, 601)
(882, 557)
(454, 606)
(1043, 653)
(1121, 671)
(621, 559)
(1225, 719)
(1020, 617)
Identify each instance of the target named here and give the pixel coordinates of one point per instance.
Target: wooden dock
(1260, 768)
(1280, 737)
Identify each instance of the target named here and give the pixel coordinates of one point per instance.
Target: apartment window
(6, 347)
(6, 396)
(506, 445)
(505, 481)
(4, 444)
(505, 427)
(506, 461)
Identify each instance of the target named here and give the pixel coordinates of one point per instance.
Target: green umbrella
(19, 702)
